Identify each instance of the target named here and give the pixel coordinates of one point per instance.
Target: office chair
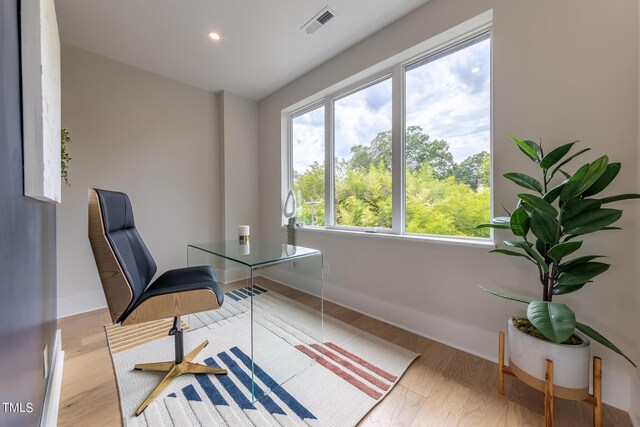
(126, 269)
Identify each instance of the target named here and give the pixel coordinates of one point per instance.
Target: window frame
(395, 70)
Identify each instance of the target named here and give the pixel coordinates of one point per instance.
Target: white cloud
(308, 140)
(448, 97)
(359, 117)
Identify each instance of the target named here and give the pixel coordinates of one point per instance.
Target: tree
(309, 191)
(442, 197)
(474, 170)
(419, 149)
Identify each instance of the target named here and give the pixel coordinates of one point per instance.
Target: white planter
(570, 363)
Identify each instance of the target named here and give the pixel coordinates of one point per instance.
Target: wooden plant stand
(594, 399)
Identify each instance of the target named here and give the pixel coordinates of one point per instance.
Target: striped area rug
(298, 379)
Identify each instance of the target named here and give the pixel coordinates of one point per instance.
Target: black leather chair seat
(181, 280)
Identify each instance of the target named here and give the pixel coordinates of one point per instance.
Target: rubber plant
(548, 223)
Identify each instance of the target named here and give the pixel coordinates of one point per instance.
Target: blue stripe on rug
(266, 401)
(260, 288)
(243, 291)
(239, 294)
(232, 296)
(289, 400)
(210, 390)
(231, 388)
(172, 395)
(191, 394)
(256, 291)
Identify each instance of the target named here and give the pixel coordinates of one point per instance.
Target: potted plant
(548, 222)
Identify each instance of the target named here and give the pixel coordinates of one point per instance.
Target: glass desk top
(255, 253)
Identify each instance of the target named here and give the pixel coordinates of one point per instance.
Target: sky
(448, 97)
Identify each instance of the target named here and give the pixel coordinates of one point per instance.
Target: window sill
(454, 241)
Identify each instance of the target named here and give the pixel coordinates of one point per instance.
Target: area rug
(299, 380)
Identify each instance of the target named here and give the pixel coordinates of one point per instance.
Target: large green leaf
(530, 148)
(596, 336)
(556, 321)
(567, 160)
(582, 273)
(596, 169)
(620, 197)
(575, 262)
(519, 222)
(525, 181)
(555, 155)
(498, 294)
(544, 227)
(532, 252)
(575, 207)
(554, 192)
(592, 220)
(511, 253)
(604, 181)
(573, 183)
(563, 290)
(541, 246)
(561, 250)
(538, 203)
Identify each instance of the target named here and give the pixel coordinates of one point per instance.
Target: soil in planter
(527, 327)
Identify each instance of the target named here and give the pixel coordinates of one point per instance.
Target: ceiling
(262, 46)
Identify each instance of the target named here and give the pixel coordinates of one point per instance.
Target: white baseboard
(233, 274)
(54, 385)
(82, 303)
(616, 386)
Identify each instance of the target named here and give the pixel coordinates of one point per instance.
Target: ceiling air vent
(318, 21)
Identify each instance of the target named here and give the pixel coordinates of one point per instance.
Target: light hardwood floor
(443, 387)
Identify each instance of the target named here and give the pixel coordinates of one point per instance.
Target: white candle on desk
(243, 233)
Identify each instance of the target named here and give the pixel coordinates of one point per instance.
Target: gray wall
(27, 249)
(148, 136)
(239, 164)
(562, 70)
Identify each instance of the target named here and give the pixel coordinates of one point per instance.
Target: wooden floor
(443, 387)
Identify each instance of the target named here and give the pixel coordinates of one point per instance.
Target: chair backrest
(124, 263)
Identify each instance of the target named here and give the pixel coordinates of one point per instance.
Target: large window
(409, 149)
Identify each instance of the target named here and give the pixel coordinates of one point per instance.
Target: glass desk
(272, 307)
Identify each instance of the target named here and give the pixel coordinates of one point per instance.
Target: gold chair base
(174, 370)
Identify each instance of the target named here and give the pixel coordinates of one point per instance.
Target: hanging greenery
(291, 231)
(64, 155)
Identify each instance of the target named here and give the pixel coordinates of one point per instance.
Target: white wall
(239, 146)
(561, 71)
(148, 136)
(635, 393)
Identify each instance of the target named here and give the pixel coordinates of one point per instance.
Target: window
(307, 154)
(362, 166)
(447, 141)
(408, 150)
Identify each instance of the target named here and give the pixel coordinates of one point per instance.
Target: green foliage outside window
(442, 197)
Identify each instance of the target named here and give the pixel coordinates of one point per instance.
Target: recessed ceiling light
(214, 36)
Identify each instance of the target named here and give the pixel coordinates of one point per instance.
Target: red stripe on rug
(362, 373)
(342, 374)
(384, 374)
